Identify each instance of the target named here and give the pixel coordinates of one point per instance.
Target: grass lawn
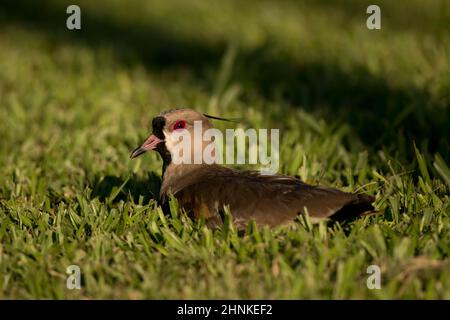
(359, 110)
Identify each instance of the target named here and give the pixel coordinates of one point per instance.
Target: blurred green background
(363, 110)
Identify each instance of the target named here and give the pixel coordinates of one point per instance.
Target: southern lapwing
(203, 190)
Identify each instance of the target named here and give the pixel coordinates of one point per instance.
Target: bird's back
(268, 199)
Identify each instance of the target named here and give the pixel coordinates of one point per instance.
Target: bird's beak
(149, 144)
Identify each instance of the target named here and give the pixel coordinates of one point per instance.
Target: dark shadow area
(379, 115)
(104, 188)
(157, 48)
(396, 15)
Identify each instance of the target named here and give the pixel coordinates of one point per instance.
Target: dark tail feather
(362, 205)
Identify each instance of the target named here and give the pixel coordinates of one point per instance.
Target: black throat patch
(158, 124)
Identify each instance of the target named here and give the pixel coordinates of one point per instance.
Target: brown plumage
(204, 189)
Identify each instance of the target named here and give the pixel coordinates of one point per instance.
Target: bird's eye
(179, 125)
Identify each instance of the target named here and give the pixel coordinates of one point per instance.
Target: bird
(205, 190)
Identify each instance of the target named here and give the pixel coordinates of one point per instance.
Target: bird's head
(167, 126)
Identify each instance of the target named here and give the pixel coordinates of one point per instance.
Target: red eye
(179, 125)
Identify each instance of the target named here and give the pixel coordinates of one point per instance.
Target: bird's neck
(165, 155)
(174, 175)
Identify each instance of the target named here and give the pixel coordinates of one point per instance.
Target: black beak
(137, 152)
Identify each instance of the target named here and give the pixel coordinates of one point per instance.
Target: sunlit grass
(359, 110)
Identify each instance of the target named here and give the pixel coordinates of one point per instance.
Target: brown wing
(268, 199)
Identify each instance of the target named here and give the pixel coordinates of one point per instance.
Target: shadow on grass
(379, 115)
(157, 48)
(396, 15)
(114, 188)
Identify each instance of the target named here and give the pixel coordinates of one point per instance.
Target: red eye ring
(181, 124)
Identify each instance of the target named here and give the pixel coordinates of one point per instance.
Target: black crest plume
(222, 119)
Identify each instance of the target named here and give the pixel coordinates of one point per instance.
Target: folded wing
(268, 199)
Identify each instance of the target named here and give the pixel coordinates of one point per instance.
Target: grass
(359, 110)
